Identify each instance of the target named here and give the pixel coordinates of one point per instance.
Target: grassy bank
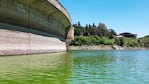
(96, 40)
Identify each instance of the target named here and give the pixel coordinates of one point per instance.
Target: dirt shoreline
(104, 47)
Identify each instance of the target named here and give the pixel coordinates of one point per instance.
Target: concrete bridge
(33, 26)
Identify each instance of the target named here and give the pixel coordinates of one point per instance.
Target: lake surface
(77, 67)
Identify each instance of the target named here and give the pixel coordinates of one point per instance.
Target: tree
(93, 30)
(79, 24)
(77, 32)
(119, 41)
(145, 41)
(78, 29)
(94, 25)
(112, 32)
(102, 30)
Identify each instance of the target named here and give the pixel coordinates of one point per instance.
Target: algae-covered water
(77, 67)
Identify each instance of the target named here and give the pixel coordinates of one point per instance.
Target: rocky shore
(103, 47)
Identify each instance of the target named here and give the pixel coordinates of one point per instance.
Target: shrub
(96, 40)
(131, 42)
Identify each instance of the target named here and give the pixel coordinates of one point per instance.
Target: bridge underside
(33, 26)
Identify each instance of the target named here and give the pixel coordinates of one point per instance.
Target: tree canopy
(91, 30)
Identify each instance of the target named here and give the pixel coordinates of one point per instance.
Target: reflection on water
(111, 67)
(36, 69)
(77, 67)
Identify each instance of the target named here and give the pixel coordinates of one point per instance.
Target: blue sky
(120, 15)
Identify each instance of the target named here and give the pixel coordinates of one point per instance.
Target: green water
(77, 67)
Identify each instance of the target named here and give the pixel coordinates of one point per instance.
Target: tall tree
(112, 32)
(79, 24)
(94, 25)
(102, 30)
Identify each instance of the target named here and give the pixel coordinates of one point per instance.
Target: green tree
(79, 24)
(94, 25)
(102, 30)
(117, 41)
(112, 32)
(145, 41)
(121, 41)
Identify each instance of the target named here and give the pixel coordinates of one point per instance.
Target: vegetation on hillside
(145, 41)
(92, 40)
(101, 35)
(97, 40)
